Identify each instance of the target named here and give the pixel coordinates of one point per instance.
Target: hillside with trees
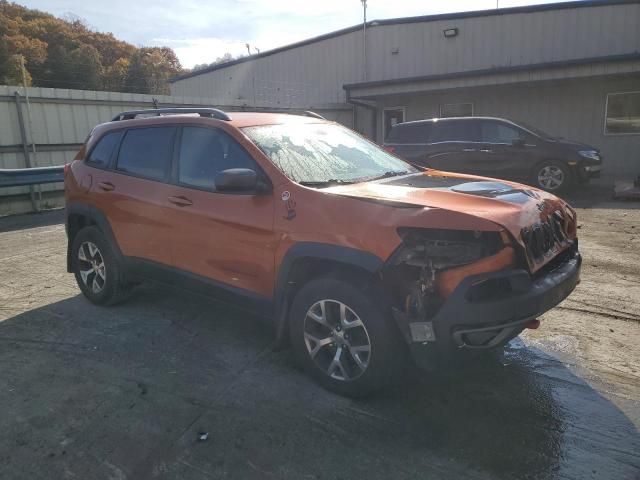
(65, 53)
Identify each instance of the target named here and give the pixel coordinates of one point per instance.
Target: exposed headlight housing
(591, 154)
(441, 249)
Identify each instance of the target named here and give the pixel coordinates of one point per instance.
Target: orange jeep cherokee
(356, 255)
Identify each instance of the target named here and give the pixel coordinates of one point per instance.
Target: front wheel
(344, 339)
(551, 176)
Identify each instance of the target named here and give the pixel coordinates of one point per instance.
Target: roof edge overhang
(508, 69)
(418, 19)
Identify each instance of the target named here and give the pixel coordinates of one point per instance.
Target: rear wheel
(343, 337)
(96, 268)
(551, 176)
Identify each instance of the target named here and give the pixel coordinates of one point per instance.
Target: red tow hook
(533, 324)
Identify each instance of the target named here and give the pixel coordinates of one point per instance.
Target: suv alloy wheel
(344, 338)
(551, 176)
(337, 340)
(96, 268)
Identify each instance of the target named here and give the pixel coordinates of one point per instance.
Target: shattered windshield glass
(319, 154)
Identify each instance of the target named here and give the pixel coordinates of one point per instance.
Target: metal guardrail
(20, 177)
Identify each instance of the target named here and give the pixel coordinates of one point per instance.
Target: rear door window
(100, 156)
(204, 152)
(410, 133)
(497, 132)
(453, 131)
(146, 152)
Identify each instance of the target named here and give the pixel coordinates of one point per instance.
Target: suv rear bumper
(486, 311)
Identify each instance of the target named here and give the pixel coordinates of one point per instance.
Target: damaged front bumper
(487, 310)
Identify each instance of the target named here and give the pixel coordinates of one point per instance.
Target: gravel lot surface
(125, 392)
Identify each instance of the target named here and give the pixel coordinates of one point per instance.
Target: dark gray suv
(495, 147)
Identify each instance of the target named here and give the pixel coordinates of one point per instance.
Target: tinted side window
(496, 132)
(409, 133)
(147, 152)
(453, 131)
(101, 153)
(204, 152)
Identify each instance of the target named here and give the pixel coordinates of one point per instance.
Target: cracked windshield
(322, 154)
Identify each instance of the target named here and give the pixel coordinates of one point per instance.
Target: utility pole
(364, 39)
(23, 71)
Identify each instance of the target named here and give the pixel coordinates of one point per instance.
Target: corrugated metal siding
(297, 78)
(572, 109)
(314, 74)
(506, 40)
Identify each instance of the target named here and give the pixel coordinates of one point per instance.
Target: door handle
(106, 186)
(468, 149)
(485, 150)
(180, 201)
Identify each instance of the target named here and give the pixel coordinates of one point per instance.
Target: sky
(201, 30)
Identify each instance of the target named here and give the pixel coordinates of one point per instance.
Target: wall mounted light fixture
(451, 32)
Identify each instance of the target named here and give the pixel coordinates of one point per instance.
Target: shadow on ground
(123, 392)
(45, 218)
(597, 193)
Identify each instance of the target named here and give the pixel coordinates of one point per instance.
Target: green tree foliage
(66, 53)
(12, 73)
(150, 69)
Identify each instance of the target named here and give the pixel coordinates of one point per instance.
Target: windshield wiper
(325, 183)
(389, 174)
(333, 181)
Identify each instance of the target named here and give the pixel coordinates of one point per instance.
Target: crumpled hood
(510, 205)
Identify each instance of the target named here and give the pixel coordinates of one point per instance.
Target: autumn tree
(87, 67)
(150, 69)
(115, 75)
(67, 53)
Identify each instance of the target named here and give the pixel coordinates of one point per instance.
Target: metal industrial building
(572, 69)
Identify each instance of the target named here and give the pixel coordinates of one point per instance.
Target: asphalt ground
(127, 392)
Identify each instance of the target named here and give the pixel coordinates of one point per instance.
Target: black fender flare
(350, 257)
(98, 217)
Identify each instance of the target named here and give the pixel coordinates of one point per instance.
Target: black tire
(113, 285)
(387, 356)
(562, 173)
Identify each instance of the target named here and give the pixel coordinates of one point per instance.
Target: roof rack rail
(305, 113)
(309, 113)
(203, 112)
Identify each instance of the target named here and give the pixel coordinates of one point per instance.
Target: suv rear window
(101, 153)
(409, 133)
(146, 152)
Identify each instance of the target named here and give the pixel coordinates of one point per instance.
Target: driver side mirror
(240, 180)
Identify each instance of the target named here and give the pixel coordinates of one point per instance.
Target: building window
(456, 110)
(391, 117)
(623, 114)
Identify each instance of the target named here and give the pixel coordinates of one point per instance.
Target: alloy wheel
(337, 340)
(551, 177)
(91, 267)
